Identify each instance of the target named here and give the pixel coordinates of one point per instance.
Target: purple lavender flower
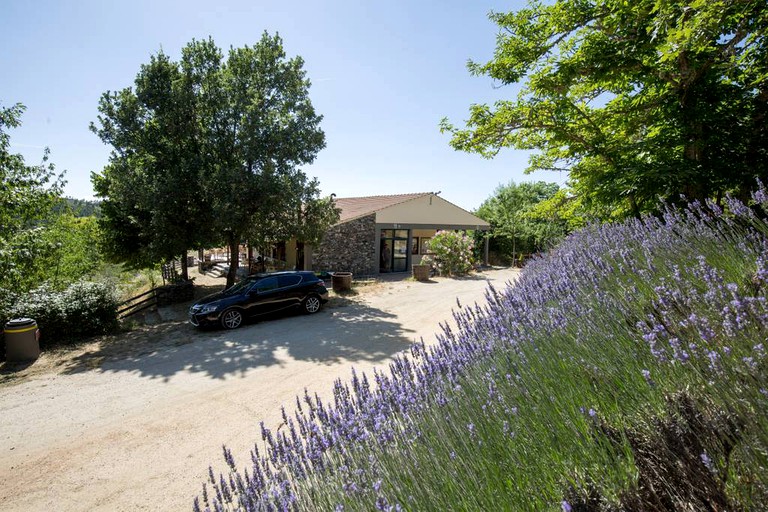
(750, 363)
(738, 208)
(714, 358)
(382, 504)
(350, 487)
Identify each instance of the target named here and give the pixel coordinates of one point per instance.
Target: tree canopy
(28, 194)
(637, 100)
(207, 150)
(155, 206)
(516, 226)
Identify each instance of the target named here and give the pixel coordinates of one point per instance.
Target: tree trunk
(634, 207)
(263, 259)
(234, 259)
(184, 270)
(514, 252)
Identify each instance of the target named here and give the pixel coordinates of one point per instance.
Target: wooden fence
(138, 303)
(171, 271)
(172, 293)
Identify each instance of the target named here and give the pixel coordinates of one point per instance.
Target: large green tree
(207, 151)
(156, 205)
(637, 100)
(28, 194)
(259, 126)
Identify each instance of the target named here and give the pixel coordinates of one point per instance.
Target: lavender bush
(624, 370)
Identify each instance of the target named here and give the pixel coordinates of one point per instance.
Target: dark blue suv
(260, 294)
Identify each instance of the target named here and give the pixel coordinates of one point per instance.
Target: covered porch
(401, 247)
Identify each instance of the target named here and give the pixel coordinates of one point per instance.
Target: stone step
(222, 269)
(218, 270)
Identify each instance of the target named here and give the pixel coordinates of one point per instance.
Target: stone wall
(349, 247)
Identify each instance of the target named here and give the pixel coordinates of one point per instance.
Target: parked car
(258, 295)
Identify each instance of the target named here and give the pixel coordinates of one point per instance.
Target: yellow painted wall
(290, 253)
(423, 232)
(430, 209)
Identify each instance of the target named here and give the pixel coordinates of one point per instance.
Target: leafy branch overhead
(637, 100)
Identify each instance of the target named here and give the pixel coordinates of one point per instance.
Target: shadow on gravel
(342, 331)
(8, 368)
(475, 276)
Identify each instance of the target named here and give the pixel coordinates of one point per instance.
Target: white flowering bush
(82, 309)
(452, 252)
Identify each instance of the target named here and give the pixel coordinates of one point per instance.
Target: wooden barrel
(342, 281)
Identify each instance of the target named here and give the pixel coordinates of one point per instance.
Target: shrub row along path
(131, 422)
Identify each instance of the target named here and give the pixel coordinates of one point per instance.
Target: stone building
(378, 234)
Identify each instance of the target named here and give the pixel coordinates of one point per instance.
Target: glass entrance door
(393, 250)
(400, 256)
(385, 255)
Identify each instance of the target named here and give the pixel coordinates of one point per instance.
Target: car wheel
(231, 319)
(311, 304)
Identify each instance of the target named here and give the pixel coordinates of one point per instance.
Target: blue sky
(383, 75)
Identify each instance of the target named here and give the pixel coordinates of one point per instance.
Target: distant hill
(83, 207)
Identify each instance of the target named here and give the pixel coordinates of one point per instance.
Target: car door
(264, 296)
(291, 293)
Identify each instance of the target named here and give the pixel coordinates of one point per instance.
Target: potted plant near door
(422, 269)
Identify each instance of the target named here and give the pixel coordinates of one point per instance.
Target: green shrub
(61, 252)
(82, 309)
(452, 252)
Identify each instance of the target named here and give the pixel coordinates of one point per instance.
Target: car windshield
(239, 287)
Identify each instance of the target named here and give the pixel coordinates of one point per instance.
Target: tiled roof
(353, 207)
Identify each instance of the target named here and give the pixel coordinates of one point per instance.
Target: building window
(415, 245)
(424, 244)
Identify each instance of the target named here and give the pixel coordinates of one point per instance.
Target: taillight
(321, 283)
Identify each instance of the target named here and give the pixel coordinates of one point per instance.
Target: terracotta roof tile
(353, 207)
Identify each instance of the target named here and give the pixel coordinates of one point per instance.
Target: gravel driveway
(133, 423)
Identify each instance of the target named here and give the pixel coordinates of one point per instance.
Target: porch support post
(485, 252)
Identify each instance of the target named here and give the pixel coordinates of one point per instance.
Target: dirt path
(132, 423)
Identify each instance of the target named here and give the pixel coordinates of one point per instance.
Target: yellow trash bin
(22, 340)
